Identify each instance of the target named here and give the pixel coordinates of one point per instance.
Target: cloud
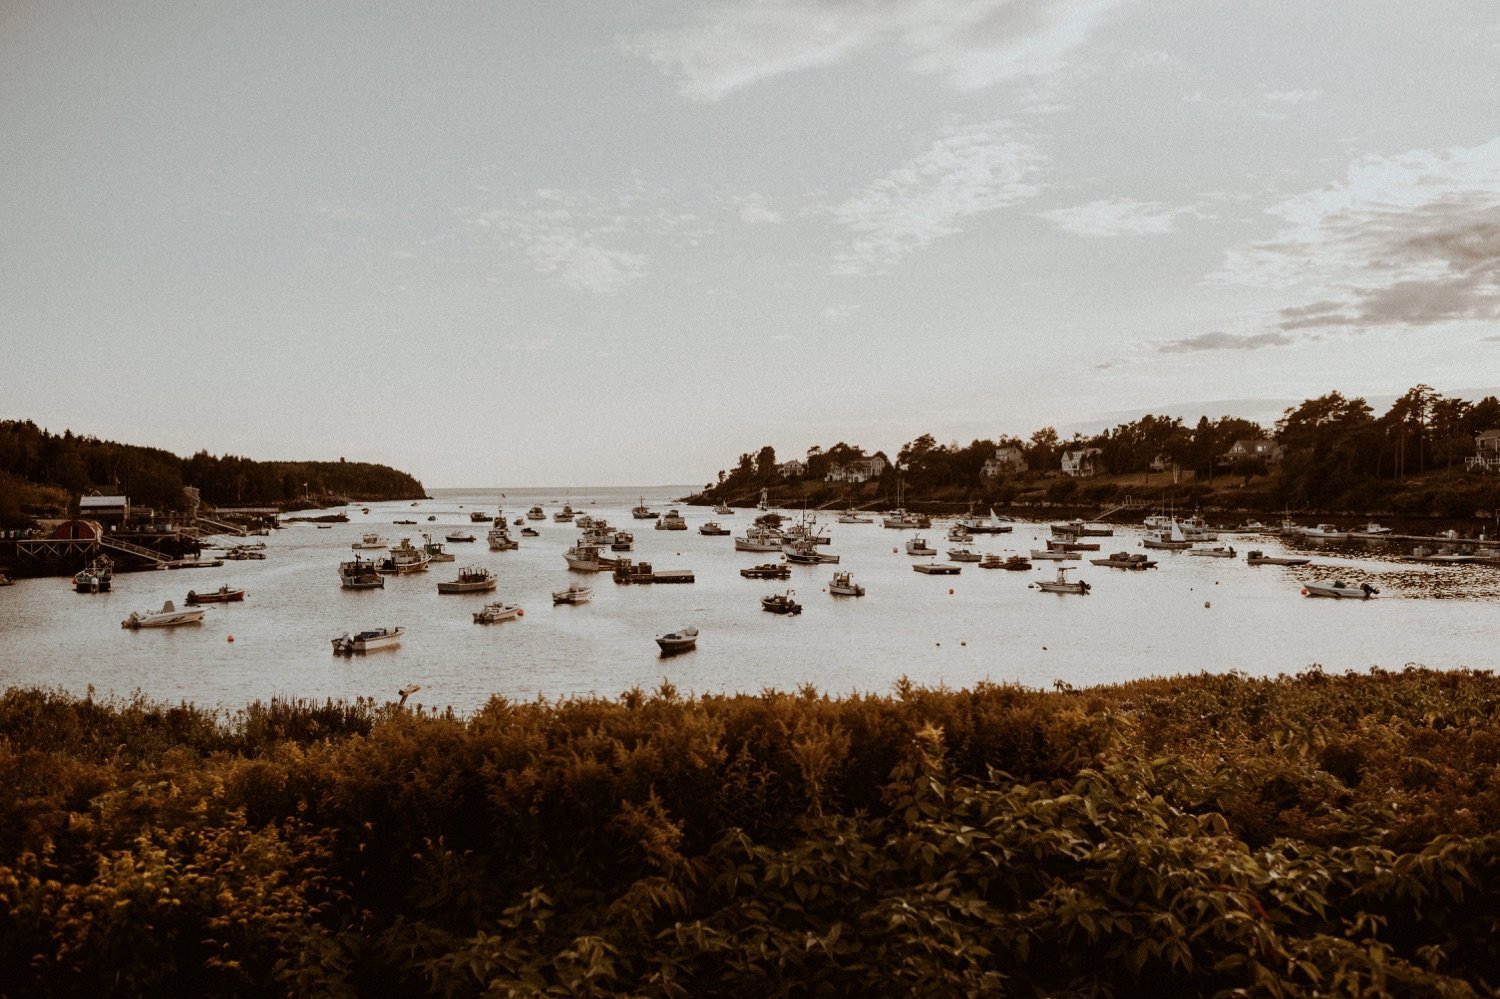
(752, 210)
(967, 172)
(1116, 216)
(1408, 240)
(1224, 341)
(973, 43)
(578, 261)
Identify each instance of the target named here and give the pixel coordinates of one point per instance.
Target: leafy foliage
(1216, 834)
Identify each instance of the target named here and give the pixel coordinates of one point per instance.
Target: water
(1191, 614)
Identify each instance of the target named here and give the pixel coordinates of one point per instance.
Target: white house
(1083, 462)
(1486, 452)
(862, 470)
(1006, 459)
(792, 469)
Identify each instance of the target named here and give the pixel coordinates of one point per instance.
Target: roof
(105, 502)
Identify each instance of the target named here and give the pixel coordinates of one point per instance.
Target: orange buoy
(231, 638)
(950, 591)
(520, 612)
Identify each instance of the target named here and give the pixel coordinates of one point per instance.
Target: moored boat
(471, 579)
(680, 640)
(1217, 551)
(96, 577)
(360, 575)
(1062, 584)
(368, 640)
(712, 529)
(223, 595)
(458, 536)
(404, 559)
(852, 516)
(671, 521)
(583, 557)
(781, 603)
(169, 616)
(919, 546)
(369, 541)
(536, 513)
(1259, 558)
(963, 555)
(574, 593)
(842, 585)
(498, 611)
(1339, 588)
(435, 551)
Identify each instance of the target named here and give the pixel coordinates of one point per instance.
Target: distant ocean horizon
(652, 490)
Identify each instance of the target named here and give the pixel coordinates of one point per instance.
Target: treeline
(1211, 835)
(1334, 454)
(155, 478)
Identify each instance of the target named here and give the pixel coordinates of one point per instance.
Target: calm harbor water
(1192, 614)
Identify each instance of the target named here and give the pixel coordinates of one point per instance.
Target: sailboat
(1170, 538)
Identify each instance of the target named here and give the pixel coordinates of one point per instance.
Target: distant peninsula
(42, 474)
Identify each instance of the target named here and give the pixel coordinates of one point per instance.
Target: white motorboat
(360, 575)
(1371, 530)
(852, 516)
(536, 513)
(723, 509)
(583, 557)
(843, 586)
(169, 616)
(678, 641)
(459, 536)
(1217, 551)
(1170, 538)
(963, 555)
(498, 611)
(1339, 588)
(368, 640)
(472, 579)
(994, 525)
(1054, 554)
(1325, 532)
(95, 577)
(576, 593)
(919, 546)
(1062, 584)
(564, 515)
(369, 541)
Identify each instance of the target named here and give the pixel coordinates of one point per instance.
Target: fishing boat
(759, 538)
(712, 529)
(435, 551)
(1170, 538)
(1217, 551)
(643, 512)
(583, 558)
(368, 640)
(671, 521)
(223, 595)
(1062, 584)
(564, 515)
(959, 534)
(479, 517)
(500, 540)
(843, 586)
(575, 593)
(168, 617)
(804, 551)
(781, 603)
(368, 541)
(360, 575)
(499, 611)
(1324, 532)
(530, 532)
(919, 546)
(994, 525)
(536, 513)
(458, 536)
(471, 579)
(1054, 555)
(96, 577)
(963, 555)
(680, 640)
(722, 509)
(852, 516)
(1371, 530)
(403, 560)
(1341, 589)
(1081, 529)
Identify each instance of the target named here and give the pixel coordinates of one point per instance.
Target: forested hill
(31, 456)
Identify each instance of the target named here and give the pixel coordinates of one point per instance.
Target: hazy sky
(622, 242)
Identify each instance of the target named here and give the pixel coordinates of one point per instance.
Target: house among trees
(862, 470)
(794, 469)
(1082, 462)
(1006, 460)
(1265, 449)
(1486, 456)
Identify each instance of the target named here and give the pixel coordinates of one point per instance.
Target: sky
(622, 243)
